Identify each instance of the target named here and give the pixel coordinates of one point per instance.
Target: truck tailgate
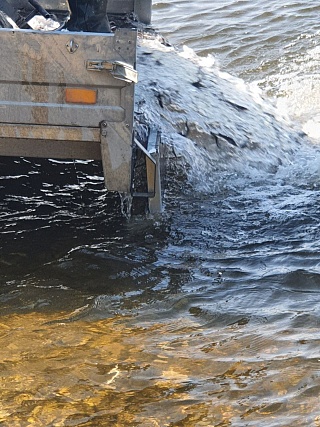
(39, 68)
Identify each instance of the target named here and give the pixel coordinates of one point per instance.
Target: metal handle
(119, 70)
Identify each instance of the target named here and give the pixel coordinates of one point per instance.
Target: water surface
(206, 315)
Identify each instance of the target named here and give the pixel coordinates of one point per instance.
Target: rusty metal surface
(50, 149)
(49, 133)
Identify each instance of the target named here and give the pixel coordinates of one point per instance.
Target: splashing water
(207, 317)
(215, 122)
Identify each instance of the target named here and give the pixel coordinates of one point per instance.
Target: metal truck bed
(71, 95)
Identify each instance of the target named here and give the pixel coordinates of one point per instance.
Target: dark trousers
(88, 15)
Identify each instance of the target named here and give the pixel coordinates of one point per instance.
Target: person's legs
(88, 15)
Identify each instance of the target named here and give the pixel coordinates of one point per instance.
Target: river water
(208, 314)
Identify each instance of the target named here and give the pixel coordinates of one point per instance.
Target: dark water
(206, 315)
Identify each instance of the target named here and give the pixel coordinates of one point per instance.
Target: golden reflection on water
(113, 372)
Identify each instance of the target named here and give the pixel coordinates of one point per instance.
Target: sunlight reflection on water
(120, 371)
(205, 316)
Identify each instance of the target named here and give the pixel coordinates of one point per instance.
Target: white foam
(217, 123)
(296, 88)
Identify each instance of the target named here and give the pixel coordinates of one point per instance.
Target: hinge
(119, 70)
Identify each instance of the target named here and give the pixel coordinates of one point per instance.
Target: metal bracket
(119, 70)
(152, 153)
(72, 46)
(145, 151)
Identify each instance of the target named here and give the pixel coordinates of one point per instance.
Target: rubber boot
(89, 15)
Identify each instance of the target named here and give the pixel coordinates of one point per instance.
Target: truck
(71, 94)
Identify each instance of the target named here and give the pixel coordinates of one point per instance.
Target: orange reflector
(81, 96)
